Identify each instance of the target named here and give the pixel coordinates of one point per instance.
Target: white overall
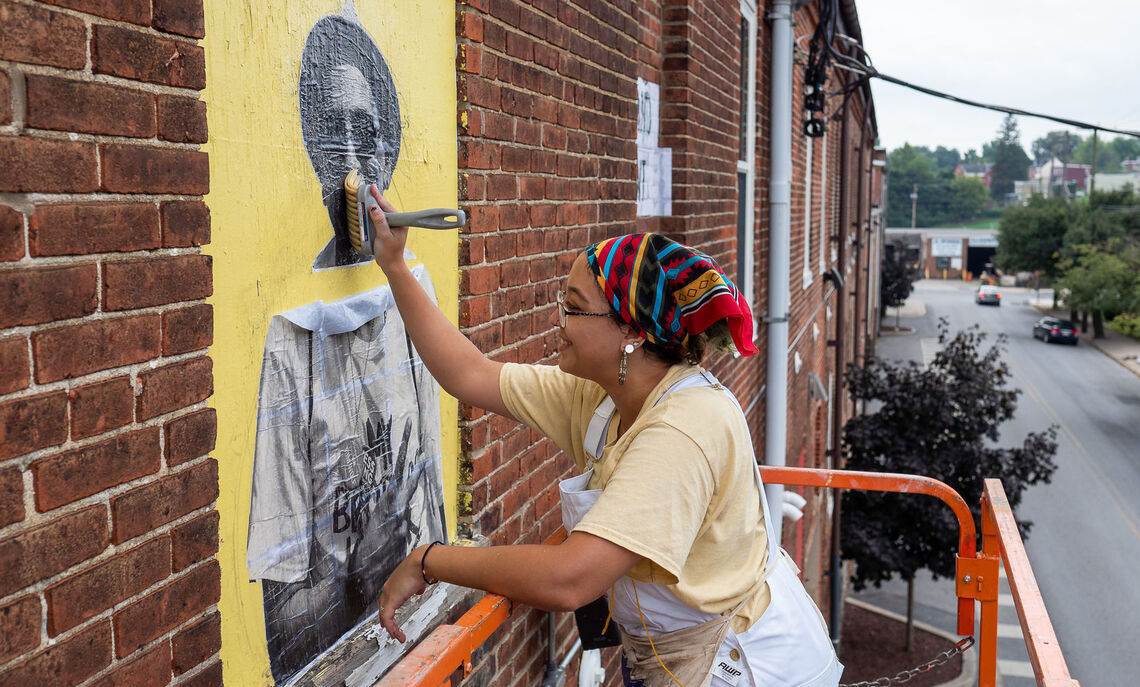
(788, 646)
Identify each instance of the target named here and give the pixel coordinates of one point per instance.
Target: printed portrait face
(350, 119)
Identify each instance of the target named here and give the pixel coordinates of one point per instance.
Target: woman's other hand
(405, 582)
(388, 245)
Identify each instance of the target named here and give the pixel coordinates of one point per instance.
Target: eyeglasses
(563, 313)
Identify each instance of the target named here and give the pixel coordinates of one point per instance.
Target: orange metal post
(894, 482)
(1049, 665)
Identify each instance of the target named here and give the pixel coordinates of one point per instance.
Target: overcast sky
(1077, 60)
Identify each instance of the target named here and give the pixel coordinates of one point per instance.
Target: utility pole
(913, 206)
(1065, 167)
(1092, 179)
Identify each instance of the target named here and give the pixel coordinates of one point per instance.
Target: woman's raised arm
(459, 367)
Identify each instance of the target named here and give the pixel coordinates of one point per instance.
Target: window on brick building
(745, 165)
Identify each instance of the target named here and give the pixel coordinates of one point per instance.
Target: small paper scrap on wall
(654, 165)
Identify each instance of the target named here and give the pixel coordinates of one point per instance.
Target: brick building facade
(548, 115)
(108, 527)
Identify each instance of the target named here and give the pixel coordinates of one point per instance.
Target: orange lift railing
(448, 648)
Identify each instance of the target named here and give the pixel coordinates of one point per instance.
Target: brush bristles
(352, 184)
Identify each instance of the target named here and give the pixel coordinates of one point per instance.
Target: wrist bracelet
(423, 564)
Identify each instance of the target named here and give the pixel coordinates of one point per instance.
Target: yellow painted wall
(269, 224)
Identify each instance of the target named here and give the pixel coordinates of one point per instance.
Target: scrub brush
(358, 201)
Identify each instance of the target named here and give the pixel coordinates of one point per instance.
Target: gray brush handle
(435, 218)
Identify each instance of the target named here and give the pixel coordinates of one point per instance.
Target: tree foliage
(942, 198)
(1031, 237)
(897, 281)
(941, 421)
(1053, 145)
(1109, 153)
(1009, 159)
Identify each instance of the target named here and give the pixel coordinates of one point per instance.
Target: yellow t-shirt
(677, 487)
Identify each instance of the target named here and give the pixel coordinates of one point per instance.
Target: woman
(668, 519)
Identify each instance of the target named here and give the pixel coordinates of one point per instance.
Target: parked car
(1055, 329)
(988, 295)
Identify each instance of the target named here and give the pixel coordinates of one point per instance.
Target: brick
(210, 677)
(11, 234)
(40, 552)
(150, 669)
(195, 541)
(187, 329)
(143, 57)
(14, 368)
(174, 386)
(29, 424)
(96, 589)
(153, 505)
(74, 351)
(185, 223)
(163, 610)
(133, 11)
(180, 16)
(66, 663)
(11, 507)
(86, 228)
(191, 436)
(101, 407)
(132, 284)
(40, 36)
(42, 165)
(19, 627)
(182, 120)
(45, 294)
(150, 169)
(197, 643)
(72, 475)
(86, 107)
(5, 97)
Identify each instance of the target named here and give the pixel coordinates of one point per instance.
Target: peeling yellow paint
(269, 223)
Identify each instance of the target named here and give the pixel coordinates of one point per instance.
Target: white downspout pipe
(779, 256)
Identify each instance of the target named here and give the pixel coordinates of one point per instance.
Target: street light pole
(913, 206)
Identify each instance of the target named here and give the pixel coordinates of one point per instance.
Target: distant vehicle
(1050, 329)
(988, 295)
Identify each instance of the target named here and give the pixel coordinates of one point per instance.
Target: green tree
(1109, 152)
(968, 197)
(1100, 282)
(946, 158)
(941, 421)
(1031, 237)
(1010, 161)
(909, 166)
(896, 282)
(1053, 143)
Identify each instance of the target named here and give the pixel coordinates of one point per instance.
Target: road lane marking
(1009, 631)
(1006, 600)
(1015, 668)
(1098, 473)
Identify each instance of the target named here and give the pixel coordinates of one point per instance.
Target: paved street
(1085, 543)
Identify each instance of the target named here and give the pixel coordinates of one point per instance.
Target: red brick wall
(548, 165)
(107, 521)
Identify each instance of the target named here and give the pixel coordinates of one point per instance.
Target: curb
(969, 673)
(1123, 363)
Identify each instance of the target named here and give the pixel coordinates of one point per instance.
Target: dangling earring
(624, 364)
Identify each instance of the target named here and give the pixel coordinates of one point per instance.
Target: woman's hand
(405, 582)
(388, 245)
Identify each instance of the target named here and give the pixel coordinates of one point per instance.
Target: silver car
(988, 295)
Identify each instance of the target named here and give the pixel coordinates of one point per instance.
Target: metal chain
(906, 675)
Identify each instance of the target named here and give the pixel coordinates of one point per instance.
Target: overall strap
(598, 429)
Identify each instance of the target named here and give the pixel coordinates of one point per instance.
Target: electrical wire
(825, 31)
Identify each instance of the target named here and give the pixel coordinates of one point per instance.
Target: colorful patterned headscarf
(668, 290)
